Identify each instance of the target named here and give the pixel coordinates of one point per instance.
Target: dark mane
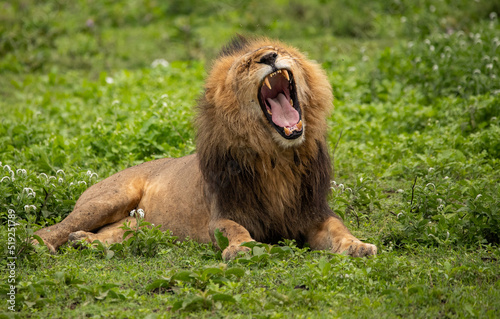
(237, 43)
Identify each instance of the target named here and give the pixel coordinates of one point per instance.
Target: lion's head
(263, 89)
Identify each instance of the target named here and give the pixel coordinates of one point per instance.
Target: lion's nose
(269, 58)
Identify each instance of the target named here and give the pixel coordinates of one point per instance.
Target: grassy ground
(90, 88)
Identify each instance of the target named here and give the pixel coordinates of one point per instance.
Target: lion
(261, 171)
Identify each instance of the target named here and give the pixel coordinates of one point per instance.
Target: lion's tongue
(284, 114)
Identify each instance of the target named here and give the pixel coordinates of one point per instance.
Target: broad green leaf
(221, 240)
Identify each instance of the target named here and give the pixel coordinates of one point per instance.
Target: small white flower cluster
(29, 208)
(90, 174)
(160, 62)
(139, 212)
(10, 171)
(29, 191)
(341, 186)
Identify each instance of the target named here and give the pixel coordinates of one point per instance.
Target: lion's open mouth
(278, 100)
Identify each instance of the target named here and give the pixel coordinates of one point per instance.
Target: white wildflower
(431, 169)
(478, 195)
(400, 191)
(28, 208)
(351, 69)
(109, 80)
(43, 175)
(140, 211)
(132, 213)
(160, 62)
(60, 180)
(5, 178)
(489, 66)
(435, 67)
(446, 177)
(60, 171)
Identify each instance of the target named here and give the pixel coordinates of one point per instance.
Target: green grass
(416, 134)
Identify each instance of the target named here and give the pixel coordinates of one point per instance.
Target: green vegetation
(86, 91)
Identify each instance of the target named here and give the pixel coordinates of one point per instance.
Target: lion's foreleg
(333, 235)
(235, 233)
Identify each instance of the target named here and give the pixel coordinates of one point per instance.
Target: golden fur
(262, 170)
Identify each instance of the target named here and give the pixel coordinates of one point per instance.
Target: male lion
(262, 171)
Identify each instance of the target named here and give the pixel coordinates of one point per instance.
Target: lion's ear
(237, 43)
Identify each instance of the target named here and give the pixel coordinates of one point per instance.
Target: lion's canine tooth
(291, 102)
(287, 131)
(266, 81)
(285, 72)
(299, 125)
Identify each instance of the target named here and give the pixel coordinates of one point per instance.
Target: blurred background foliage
(101, 35)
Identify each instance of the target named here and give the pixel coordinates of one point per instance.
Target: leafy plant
(356, 201)
(434, 213)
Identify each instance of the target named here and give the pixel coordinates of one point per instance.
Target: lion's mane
(275, 190)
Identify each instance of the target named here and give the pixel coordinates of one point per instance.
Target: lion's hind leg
(104, 203)
(110, 234)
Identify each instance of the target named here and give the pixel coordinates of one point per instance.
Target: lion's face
(267, 84)
(261, 94)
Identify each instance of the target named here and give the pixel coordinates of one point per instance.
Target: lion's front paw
(232, 251)
(355, 248)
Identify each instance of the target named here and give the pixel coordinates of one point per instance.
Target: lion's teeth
(291, 102)
(266, 81)
(285, 72)
(287, 131)
(299, 125)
